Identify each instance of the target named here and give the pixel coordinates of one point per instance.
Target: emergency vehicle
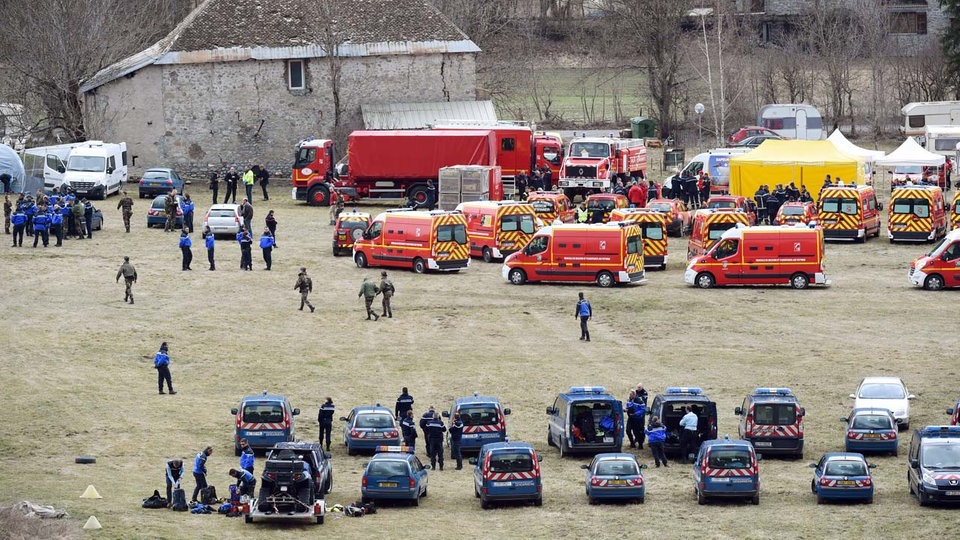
(772, 420)
(585, 419)
(709, 225)
(761, 256)
(735, 203)
(933, 472)
(484, 421)
(849, 212)
(394, 473)
(916, 214)
(954, 413)
(607, 253)
(412, 239)
(263, 420)
(799, 213)
(592, 164)
(605, 203)
(653, 228)
(507, 471)
(348, 229)
(614, 476)
(498, 228)
(551, 205)
(669, 407)
(726, 468)
(940, 268)
(842, 476)
(678, 217)
(955, 211)
(918, 175)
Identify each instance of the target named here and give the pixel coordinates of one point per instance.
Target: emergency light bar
(407, 449)
(772, 392)
(692, 390)
(587, 390)
(942, 431)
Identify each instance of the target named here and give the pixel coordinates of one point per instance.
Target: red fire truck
(592, 163)
(518, 148)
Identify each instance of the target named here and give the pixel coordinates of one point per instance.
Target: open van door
(53, 169)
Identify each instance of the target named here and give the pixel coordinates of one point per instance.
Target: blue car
(871, 430)
(507, 471)
(842, 475)
(263, 420)
(157, 214)
(726, 468)
(367, 428)
(394, 473)
(159, 181)
(614, 476)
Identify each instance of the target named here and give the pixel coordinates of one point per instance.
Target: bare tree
(55, 44)
(483, 20)
(924, 77)
(329, 37)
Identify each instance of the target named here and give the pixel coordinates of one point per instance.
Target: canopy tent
(805, 163)
(10, 164)
(844, 145)
(910, 153)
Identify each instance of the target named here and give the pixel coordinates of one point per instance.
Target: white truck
(96, 169)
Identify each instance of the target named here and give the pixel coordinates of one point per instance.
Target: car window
(263, 412)
(479, 415)
(846, 468)
(223, 213)
(871, 421)
(882, 391)
(388, 468)
(154, 175)
(605, 205)
(775, 414)
(511, 462)
(374, 421)
(452, 233)
(940, 456)
(729, 459)
(520, 222)
(653, 231)
(620, 467)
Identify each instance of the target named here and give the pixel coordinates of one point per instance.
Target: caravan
(942, 140)
(96, 169)
(792, 121)
(918, 115)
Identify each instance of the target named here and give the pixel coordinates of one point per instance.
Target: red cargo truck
(387, 164)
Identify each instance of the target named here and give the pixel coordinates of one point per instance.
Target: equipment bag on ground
(179, 500)
(155, 500)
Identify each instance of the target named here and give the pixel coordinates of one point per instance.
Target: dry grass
(16, 526)
(75, 380)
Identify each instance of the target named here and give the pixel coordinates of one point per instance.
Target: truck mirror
(472, 461)
(296, 412)
(853, 396)
(842, 419)
(506, 412)
(61, 169)
(913, 462)
(551, 410)
(950, 411)
(871, 465)
(109, 170)
(539, 458)
(584, 466)
(445, 414)
(803, 412)
(327, 455)
(911, 396)
(343, 418)
(812, 465)
(738, 411)
(234, 410)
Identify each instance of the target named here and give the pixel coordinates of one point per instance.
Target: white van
(942, 140)
(792, 121)
(716, 162)
(920, 114)
(96, 169)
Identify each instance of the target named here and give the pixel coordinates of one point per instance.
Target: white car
(223, 219)
(885, 393)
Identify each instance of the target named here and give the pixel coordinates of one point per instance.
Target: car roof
(736, 443)
(507, 446)
(224, 206)
(395, 456)
(476, 400)
(264, 397)
(871, 410)
(896, 380)
(831, 456)
(158, 169)
(372, 409)
(615, 455)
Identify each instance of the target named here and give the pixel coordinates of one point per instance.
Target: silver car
(223, 219)
(885, 393)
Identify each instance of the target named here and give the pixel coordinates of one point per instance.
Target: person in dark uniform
(263, 175)
(200, 471)
(431, 195)
(404, 404)
(56, 225)
(409, 429)
(305, 285)
(174, 474)
(7, 211)
(325, 419)
(433, 430)
(41, 224)
(5, 179)
(585, 313)
(271, 222)
(246, 482)
(641, 394)
(456, 436)
(161, 361)
(187, 207)
(126, 203)
(88, 217)
(129, 274)
(231, 179)
(185, 251)
(635, 420)
(214, 185)
(209, 242)
(773, 207)
(246, 243)
(266, 245)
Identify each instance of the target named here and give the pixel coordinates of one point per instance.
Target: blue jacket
(29, 209)
(56, 219)
(186, 206)
(583, 308)
(40, 221)
(208, 241)
(161, 359)
(656, 433)
(266, 241)
(636, 410)
(246, 479)
(456, 431)
(246, 458)
(18, 218)
(185, 241)
(66, 211)
(200, 463)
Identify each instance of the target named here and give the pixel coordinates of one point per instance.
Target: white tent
(910, 153)
(10, 164)
(844, 145)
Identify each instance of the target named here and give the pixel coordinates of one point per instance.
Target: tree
(950, 41)
(53, 45)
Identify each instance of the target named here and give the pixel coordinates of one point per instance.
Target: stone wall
(195, 117)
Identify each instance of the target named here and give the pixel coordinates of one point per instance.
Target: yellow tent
(805, 163)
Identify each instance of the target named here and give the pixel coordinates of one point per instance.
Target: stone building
(242, 81)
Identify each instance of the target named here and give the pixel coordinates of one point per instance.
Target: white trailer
(942, 140)
(920, 114)
(792, 121)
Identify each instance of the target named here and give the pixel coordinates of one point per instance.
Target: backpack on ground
(179, 502)
(208, 495)
(155, 501)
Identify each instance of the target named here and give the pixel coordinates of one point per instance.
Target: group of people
(768, 202)
(693, 190)
(57, 215)
(252, 175)
(538, 179)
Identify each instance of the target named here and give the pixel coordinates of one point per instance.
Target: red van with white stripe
(772, 420)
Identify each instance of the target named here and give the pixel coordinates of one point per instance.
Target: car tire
(605, 279)
(424, 494)
(487, 255)
(476, 493)
(896, 452)
(248, 518)
(701, 498)
(923, 498)
(351, 451)
(517, 276)
(591, 500)
(236, 451)
(484, 503)
(319, 520)
(819, 499)
(799, 281)
(85, 460)
(360, 259)
(869, 500)
(538, 501)
(903, 427)
(415, 501)
(705, 280)
(336, 251)
(419, 266)
(755, 500)
(933, 282)
(813, 487)
(549, 438)
(560, 445)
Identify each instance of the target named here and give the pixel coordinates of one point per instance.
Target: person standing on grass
(369, 291)
(187, 207)
(305, 285)
(656, 436)
(200, 471)
(267, 244)
(246, 241)
(246, 456)
(404, 404)
(186, 252)
(409, 429)
(161, 362)
(246, 213)
(209, 242)
(271, 223)
(688, 434)
(230, 180)
(214, 185)
(7, 211)
(126, 203)
(263, 175)
(387, 289)
(325, 419)
(173, 477)
(585, 313)
(248, 179)
(129, 274)
(456, 436)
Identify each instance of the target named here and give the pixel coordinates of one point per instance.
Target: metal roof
(422, 115)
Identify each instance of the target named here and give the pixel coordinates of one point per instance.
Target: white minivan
(96, 169)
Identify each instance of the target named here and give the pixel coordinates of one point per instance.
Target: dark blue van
(507, 471)
(484, 421)
(585, 419)
(264, 420)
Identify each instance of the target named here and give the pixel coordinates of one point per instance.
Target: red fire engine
(593, 163)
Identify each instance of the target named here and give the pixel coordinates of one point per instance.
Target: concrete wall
(191, 116)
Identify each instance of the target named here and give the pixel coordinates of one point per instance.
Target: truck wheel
(538, 501)
(549, 438)
(484, 504)
(248, 519)
(360, 259)
(419, 266)
(517, 277)
(319, 195)
(933, 283)
(705, 280)
(487, 255)
(819, 499)
(799, 281)
(416, 500)
(605, 279)
(319, 520)
(419, 195)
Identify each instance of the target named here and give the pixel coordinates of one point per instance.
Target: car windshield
(846, 468)
(353, 225)
(939, 245)
(918, 207)
(374, 421)
(589, 149)
(263, 413)
(518, 222)
(479, 415)
(601, 204)
(792, 210)
(882, 391)
(652, 231)
(729, 459)
(843, 205)
(940, 456)
(452, 233)
(155, 175)
(715, 230)
(511, 462)
(775, 414)
(222, 213)
(660, 207)
(871, 421)
(87, 163)
(388, 468)
(617, 467)
(721, 204)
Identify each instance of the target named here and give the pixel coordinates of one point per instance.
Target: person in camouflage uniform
(369, 291)
(129, 274)
(387, 290)
(170, 207)
(127, 204)
(305, 286)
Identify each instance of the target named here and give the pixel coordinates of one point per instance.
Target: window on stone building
(295, 79)
(908, 22)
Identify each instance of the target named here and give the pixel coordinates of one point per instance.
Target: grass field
(78, 378)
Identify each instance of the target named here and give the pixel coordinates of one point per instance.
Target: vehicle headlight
(928, 479)
(918, 265)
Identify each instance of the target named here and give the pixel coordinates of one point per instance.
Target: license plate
(375, 435)
(608, 440)
(951, 493)
(871, 436)
(846, 483)
(502, 484)
(763, 444)
(443, 254)
(899, 226)
(617, 482)
(388, 484)
(508, 244)
(472, 436)
(283, 488)
(272, 433)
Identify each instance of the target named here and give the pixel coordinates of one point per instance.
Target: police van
(507, 471)
(585, 419)
(772, 420)
(669, 407)
(726, 468)
(484, 421)
(264, 420)
(933, 473)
